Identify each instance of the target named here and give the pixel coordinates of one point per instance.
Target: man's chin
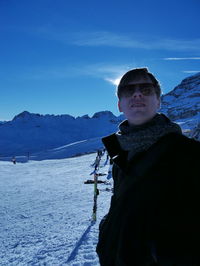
(138, 113)
(138, 117)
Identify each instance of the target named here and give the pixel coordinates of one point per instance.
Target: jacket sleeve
(179, 223)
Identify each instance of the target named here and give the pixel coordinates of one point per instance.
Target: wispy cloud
(129, 41)
(105, 68)
(113, 81)
(181, 58)
(112, 39)
(118, 40)
(191, 71)
(108, 72)
(105, 39)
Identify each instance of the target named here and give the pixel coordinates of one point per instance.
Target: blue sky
(65, 57)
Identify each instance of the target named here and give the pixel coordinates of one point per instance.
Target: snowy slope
(71, 150)
(45, 210)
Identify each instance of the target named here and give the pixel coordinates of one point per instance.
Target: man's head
(139, 96)
(138, 74)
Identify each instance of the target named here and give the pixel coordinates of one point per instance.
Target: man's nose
(137, 92)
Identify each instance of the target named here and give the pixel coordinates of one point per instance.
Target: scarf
(141, 137)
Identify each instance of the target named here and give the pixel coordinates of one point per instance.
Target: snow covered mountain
(61, 136)
(30, 133)
(182, 104)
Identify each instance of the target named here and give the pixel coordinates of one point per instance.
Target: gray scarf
(140, 138)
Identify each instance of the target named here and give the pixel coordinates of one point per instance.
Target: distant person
(154, 214)
(14, 160)
(109, 176)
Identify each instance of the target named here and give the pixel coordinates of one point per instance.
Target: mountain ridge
(35, 133)
(30, 133)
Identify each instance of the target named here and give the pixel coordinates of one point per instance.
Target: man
(154, 213)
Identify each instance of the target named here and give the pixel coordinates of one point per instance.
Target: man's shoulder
(109, 137)
(180, 139)
(181, 143)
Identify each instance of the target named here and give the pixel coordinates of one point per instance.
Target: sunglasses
(146, 89)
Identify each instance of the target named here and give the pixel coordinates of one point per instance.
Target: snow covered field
(46, 208)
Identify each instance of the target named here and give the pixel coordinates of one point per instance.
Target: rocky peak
(25, 114)
(184, 100)
(192, 80)
(103, 114)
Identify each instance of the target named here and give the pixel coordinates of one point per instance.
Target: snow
(70, 150)
(46, 208)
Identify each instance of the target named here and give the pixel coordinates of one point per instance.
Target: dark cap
(138, 73)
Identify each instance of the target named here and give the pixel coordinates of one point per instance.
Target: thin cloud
(108, 72)
(110, 39)
(181, 58)
(106, 39)
(191, 71)
(104, 68)
(114, 81)
(123, 41)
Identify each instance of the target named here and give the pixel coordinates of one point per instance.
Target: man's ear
(119, 106)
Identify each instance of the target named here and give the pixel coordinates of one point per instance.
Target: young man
(154, 213)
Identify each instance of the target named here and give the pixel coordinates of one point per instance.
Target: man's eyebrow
(144, 84)
(140, 84)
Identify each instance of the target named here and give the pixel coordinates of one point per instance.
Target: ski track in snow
(45, 208)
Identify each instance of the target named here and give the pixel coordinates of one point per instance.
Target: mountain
(61, 136)
(182, 104)
(31, 133)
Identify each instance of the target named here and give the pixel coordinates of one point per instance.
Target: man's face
(138, 101)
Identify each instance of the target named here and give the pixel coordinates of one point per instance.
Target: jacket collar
(115, 151)
(151, 156)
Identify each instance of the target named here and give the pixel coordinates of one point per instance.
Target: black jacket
(155, 208)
